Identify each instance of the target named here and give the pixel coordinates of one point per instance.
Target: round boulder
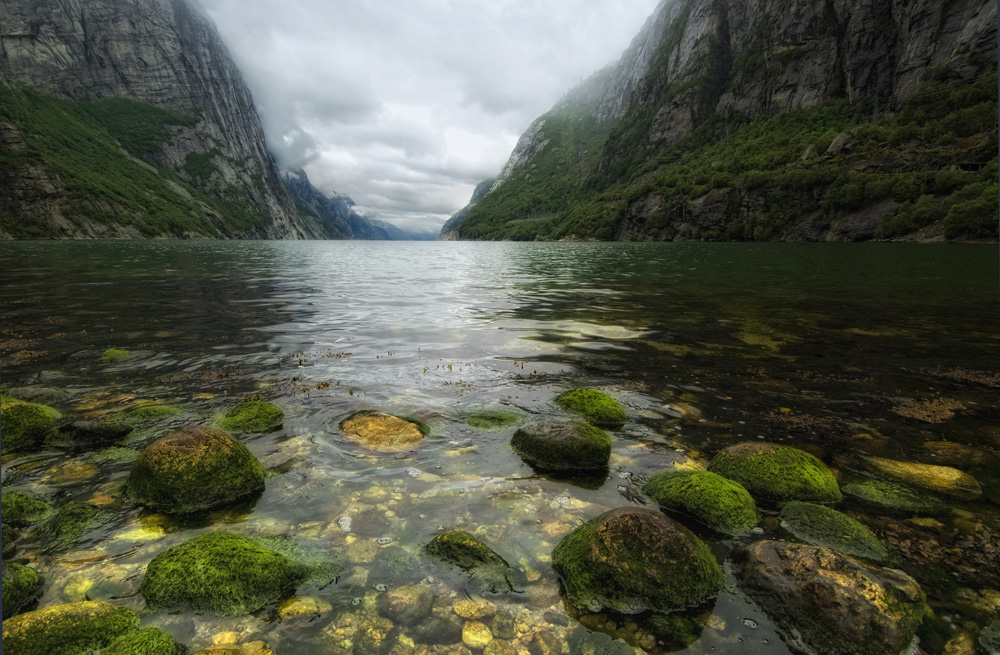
(631, 560)
(822, 526)
(721, 504)
(221, 573)
(26, 426)
(252, 416)
(775, 472)
(893, 499)
(193, 469)
(21, 510)
(595, 407)
(74, 628)
(562, 447)
(383, 432)
(830, 603)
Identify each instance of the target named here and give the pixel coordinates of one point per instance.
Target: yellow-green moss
(148, 641)
(252, 416)
(822, 526)
(115, 356)
(69, 523)
(21, 510)
(493, 419)
(721, 504)
(220, 573)
(63, 629)
(25, 426)
(148, 414)
(21, 587)
(597, 408)
(894, 499)
(775, 472)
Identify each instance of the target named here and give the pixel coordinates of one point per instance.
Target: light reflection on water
(704, 344)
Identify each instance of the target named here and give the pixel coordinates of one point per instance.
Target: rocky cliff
(449, 231)
(759, 119)
(129, 118)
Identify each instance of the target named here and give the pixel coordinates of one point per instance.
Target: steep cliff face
(336, 213)
(449, 231)
(672, 140)
(159, 68)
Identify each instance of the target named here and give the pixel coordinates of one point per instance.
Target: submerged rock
(221, 573)
(74, 628)
(380, 431)
(775, 472)
(115, 356)
(829, 603)
(252, 416)
(721, 504)
(950, 453)
(148, 414)
(44, 395)
(562, 447)
(21, 587)
(822, 526)
(407, 605)
(26, 426)
(485, 568)
(21, 510)
(989, 638)
(148, 641)
(193, 469)
(893, 499)
(943, 480)
(493, 419)
(92, 434)
(597, 408)
(69, 524)
(375, 636)
(632, 560)
(10, 536)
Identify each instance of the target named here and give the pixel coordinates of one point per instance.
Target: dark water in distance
(843, 349)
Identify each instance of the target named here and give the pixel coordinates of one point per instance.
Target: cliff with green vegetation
(803, 121)
(129, 119)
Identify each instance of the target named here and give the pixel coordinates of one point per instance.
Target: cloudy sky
(405, 105)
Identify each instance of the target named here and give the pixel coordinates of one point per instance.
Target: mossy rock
(115, 356)
(219, 573)
(384, 432)
(562, 447)
(721, 504)
(597, 408)
(4, 399)
(775, 472)
(69, 523)
(493, 419)
(193, 469)
(944, 480)
(21, 587)
(485, 568)
(83, 627)
(86, 435)
(894, 499)
(26, 426)
(10, 537)
(393, 565)
(21, 510)
(148, 641)
(323, 565)
(818, 525)
(43, 395)
(252, 416)
(633, 560)
(148, 414)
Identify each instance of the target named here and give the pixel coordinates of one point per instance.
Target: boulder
(21, 510)
(252, 416)
(194, 469)
(562, 447)
(382, 432)
(91, 434)
(774, 472)
(74, 628)
(220, 573)
(633, 560)
(943, 480)
(822, 526)
(721, 504)
(829, 603)
(485, 568)
(21, 587)
(26, 426)
(595, 407)
(893, 499)
(148, 641)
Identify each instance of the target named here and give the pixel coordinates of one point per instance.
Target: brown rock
(380, 431)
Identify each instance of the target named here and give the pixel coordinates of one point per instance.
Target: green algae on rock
(21, 510)
(220, 573)
(69, 524)
(632, 560)
(894, 499)
(774, 472)
(818, 525)
(21, 587)
(943, 480)
(384, 432)
(560, 446)
(9, 536)
(148, 414)
(597, 408)
(719, 503)
(252, 416)
(85, 435)
(460, 549)
(26, 426)
(192, 469)
(323, 565)
(829, 602)
(115, 356)
(83, 627)
(148, 641)
(493, 419)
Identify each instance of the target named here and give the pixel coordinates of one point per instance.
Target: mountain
(449, 231)
(763, 120)
(336, 213)
(129, 118)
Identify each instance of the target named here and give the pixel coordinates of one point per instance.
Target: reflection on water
(846, 350)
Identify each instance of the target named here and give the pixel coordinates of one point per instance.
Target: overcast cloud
(405, 105)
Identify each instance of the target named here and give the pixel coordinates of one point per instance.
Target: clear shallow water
(705, 344)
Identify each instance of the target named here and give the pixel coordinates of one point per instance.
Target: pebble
(476, 635)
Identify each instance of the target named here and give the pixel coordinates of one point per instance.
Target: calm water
(705, 344)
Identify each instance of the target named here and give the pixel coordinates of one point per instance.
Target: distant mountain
(763, 120)
(449, 231)
(129, 118)
(336, 213)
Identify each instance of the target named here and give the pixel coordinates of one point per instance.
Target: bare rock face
(162, 52)
(827, 603)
